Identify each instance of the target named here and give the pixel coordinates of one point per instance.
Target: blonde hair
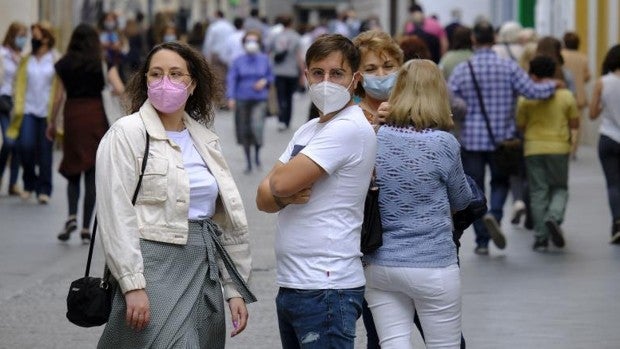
(420, 97)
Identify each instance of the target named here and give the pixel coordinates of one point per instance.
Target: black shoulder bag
(372, 230)
(89, 301)
(508, 153)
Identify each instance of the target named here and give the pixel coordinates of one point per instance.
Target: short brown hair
(379, 42)
(414, 48)
(571, 40)
(420, 97)
(327, 44)
(46, 30)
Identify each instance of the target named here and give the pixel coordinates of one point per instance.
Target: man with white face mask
(318, 188)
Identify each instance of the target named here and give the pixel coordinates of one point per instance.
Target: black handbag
(6, 104)
(89, 301)
(372, 230)
(508, 154)
(475, 210)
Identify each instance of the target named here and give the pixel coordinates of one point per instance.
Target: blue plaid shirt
(501, 81)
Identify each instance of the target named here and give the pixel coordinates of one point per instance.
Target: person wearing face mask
(416, 268)
(36, 92)
(186, 238)
(248, 81)
(111, 39)
(318, 188)
(169, 34)
(380, 59)
(10, 54)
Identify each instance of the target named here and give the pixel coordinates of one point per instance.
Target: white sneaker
(495, 231)
(281, 126)
(518, 210)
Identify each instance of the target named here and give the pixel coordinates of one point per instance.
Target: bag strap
(133, 202)
(481, 102)
(373, 178)
(507, 45)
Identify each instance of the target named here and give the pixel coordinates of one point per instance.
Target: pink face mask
(167, 96)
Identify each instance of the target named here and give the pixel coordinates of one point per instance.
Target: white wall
(25, 11)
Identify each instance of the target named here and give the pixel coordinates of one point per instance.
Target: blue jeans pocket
(350, 309)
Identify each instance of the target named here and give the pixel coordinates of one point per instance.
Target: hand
(301, 197)
(50, 132)
(260, 84)
(231, 104)
(138, 309)
(382, 113)
(559, 83)
(238, 314)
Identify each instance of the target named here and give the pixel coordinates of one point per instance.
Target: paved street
(514, 298)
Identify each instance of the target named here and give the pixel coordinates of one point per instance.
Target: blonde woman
(421, 182)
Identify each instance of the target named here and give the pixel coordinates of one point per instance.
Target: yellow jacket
(19, 97)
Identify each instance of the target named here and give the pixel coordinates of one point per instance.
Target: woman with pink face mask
(168, 251)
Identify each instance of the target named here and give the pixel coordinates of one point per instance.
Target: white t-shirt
(203, 189)
(40, 76)
(318, 243)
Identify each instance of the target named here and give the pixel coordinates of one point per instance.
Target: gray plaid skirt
(185, 295)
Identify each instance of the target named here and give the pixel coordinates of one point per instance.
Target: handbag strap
(373, 178)
(133, 202)
(481, 102)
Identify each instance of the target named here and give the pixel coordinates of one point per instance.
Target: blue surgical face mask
(20, 42)
(109, 25)
(170, 38)
(379, 87)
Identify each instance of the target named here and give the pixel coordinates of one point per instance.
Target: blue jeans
(321, 319)
(474, 164)
(35, 151)
(8, 149)
(609, 154)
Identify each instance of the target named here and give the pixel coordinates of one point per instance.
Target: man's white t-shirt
(318, 243)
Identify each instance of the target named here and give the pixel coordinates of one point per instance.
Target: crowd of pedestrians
(440, 100)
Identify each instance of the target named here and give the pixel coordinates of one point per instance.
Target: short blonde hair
(382, 44)
(420, 97)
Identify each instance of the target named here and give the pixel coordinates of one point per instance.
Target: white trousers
(394, 293)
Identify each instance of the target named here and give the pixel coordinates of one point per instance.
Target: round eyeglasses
(155, 77)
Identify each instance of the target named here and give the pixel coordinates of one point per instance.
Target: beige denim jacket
(161, 210)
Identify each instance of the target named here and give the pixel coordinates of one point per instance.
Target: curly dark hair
(199, 105)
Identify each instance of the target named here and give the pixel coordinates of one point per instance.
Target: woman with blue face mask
(10, 55)
(381, 57)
